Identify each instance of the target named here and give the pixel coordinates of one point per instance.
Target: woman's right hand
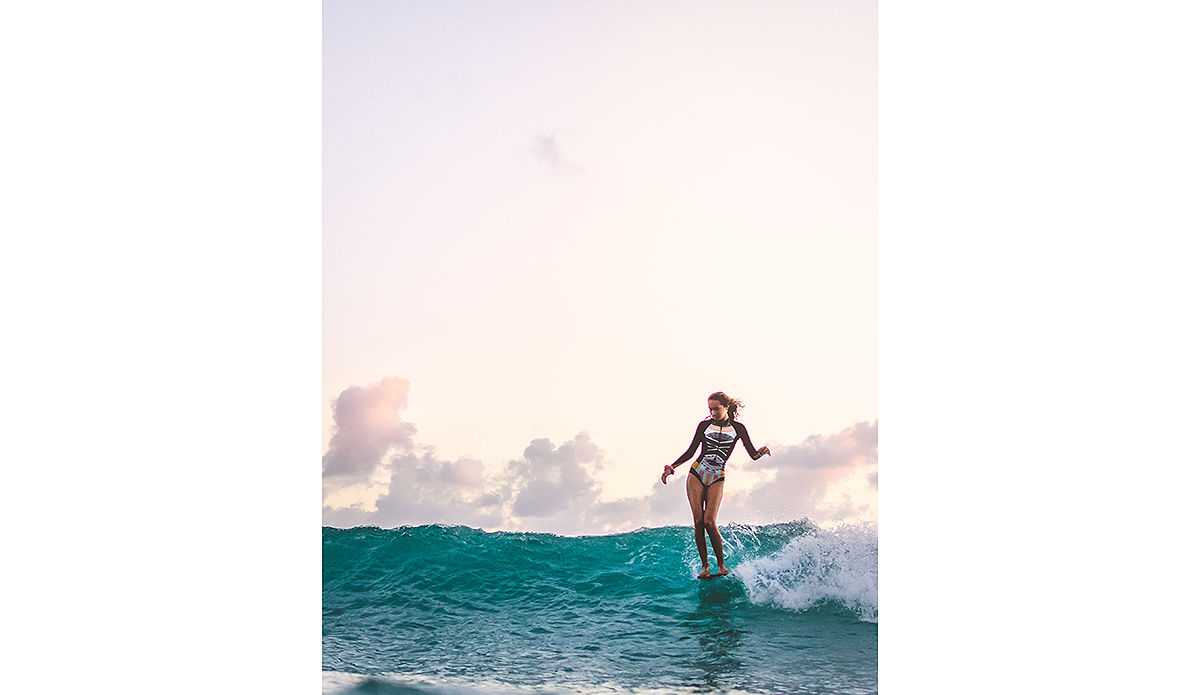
(667, 470)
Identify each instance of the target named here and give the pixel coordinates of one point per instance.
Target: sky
(162, 306)
(550, 230)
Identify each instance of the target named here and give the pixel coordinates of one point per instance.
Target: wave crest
(839, 565)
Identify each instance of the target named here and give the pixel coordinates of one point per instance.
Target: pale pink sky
(555, 218)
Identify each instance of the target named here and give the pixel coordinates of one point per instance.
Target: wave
(443, 610)
(840, 565)
(794, 566)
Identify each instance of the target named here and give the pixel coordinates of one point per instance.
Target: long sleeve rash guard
(715, 448)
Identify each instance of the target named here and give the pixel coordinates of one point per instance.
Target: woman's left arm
(755, 454)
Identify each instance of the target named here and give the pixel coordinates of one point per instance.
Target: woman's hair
(731, 404)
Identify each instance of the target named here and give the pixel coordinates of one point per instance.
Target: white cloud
(425, 489)
(550, 481)
(557, 488)
(810, 478)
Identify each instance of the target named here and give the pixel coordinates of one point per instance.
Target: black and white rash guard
(715, 448)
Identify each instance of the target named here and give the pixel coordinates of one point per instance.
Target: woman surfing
(716, 438)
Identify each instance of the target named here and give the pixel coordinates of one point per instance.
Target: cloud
(549, 488)
(545, 148)
(809, 478)
(425, 489)
(662, 505)
(367, 425)
(551, 480)
(548, 151)
(854, 446)
(556, 489)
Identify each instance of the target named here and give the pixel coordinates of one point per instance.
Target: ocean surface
(455, 610)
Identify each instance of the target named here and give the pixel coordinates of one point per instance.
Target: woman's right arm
(696, 440)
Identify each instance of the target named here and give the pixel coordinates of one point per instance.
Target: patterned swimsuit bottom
(708, 471)
(710, 467)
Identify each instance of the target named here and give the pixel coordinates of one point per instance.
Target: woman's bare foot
(722, 571)
(704, 574)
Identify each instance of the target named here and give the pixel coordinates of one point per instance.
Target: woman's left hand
(764, 452)
(667, 470)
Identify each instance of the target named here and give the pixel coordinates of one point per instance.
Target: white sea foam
(839, 565)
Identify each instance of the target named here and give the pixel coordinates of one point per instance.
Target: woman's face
(717, 410)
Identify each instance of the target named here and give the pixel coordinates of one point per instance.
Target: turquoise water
(450, 609)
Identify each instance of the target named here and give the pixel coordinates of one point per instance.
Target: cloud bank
(556, 488)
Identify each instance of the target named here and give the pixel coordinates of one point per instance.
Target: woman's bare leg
(695, 493)
(712, 502)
